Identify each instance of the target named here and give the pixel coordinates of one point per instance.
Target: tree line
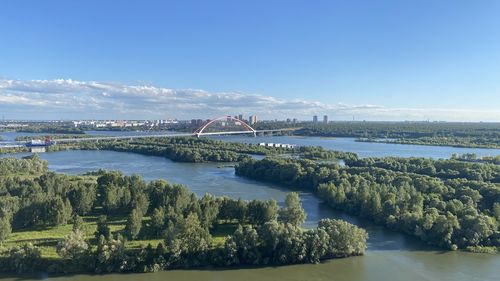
(388, 129)
(443, 168)
(43, 127)
(196, 150)
(181, 149)
(488, 141)
(452, 213)
(486, 135)
(319, 153)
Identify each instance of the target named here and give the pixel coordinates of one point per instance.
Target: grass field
(46, 238)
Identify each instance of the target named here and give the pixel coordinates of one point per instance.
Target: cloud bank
(71, 99)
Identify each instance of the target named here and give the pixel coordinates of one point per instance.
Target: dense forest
(319, 153)
(181, 149)
(51, 128)
(486, 135)
(4, 150)
(107, 222)
(474, 142)
(451, 204)
(389, 129)
(195, 150)
(442, 168)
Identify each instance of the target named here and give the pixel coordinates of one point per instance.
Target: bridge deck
(20, 143)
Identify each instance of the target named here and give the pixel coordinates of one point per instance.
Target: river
(367, 149)
(363, 149)
(390, 255)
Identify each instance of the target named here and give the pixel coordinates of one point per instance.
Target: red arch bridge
(247, 129)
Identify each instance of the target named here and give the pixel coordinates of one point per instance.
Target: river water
(390, 255)
(367, 149)
(363, 149)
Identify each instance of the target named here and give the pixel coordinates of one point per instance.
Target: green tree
(24, 258)
(158, 220)
(345, 239)
(188, 241)
(376, 206)
(260, 212)
(316, 243)
(243, 246)
(82, 197)
(231, 209)
(58, 211)
(293, 212)
(110, 255)
(5, 228)
(77, 222)
(209, 208)
(141, 202)
(73, 247)
(496, 211)
(102, 228)
(134, 224)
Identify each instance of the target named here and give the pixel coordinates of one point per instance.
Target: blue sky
(375, 60)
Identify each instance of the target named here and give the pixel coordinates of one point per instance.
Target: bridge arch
(247, 127)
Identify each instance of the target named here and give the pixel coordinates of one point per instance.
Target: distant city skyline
(375, 60)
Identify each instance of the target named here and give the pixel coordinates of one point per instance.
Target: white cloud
(71, 99)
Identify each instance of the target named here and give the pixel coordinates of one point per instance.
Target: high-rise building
(315, 119)
(240, 117)
(325, 118)
(196, 122)
(252, 120)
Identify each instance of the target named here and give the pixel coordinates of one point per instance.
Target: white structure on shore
(278, 145)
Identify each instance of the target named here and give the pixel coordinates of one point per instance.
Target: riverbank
(436, 142)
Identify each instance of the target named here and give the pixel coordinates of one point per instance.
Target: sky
(367, 60)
